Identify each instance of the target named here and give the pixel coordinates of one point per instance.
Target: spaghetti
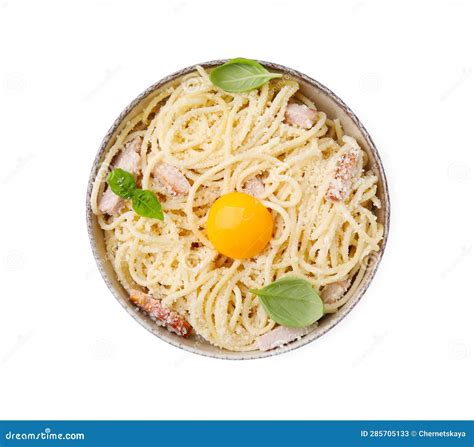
(220, 141)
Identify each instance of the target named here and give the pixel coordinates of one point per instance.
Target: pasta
(220, 141)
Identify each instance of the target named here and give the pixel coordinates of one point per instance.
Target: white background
(67, 348)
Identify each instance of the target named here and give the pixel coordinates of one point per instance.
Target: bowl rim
(315, 334)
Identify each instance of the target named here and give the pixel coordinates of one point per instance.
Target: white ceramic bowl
(326, 101)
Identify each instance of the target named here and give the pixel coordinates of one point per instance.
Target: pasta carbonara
(193, 144)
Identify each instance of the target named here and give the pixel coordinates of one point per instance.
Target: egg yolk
(239, 226)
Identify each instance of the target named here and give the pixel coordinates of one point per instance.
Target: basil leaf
(241, 75)
(243, 60)
(122, 183)
(291, 302)
(145, 203)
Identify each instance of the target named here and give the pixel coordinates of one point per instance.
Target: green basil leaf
(291, 302)
(145, 203)
(243, 60)
(122, 183)
(241, 75)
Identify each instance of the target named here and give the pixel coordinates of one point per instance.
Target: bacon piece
(300, 115)
(164, 316)
(254, 187)
(341, 182)
(110, 203)
(335, 291)
(129, 160)
(280, 336)
(172, 178)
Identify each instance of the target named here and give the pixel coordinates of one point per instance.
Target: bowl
(326, 101)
